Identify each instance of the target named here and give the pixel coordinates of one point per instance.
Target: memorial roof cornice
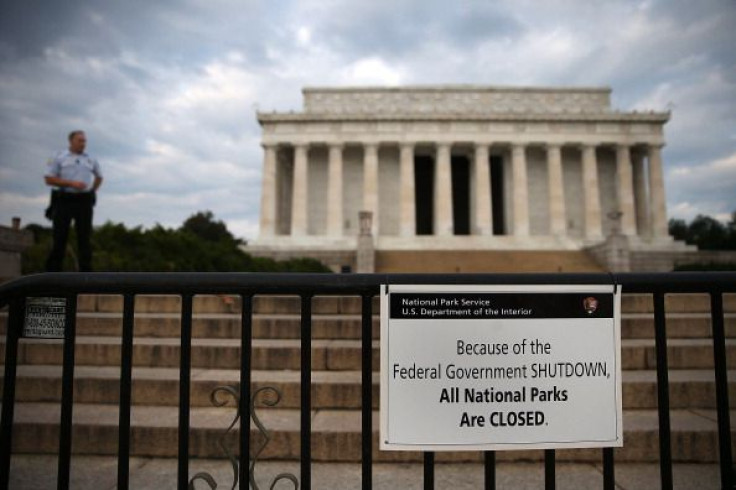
(300, 117)
(456, 88)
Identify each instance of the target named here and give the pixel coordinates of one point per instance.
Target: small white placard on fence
(500, 367)
(45, 318)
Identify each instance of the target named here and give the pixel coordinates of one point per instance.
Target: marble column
(299, 214)
(641, 197)
(520, 191)
(268, 191)
(482, 216)
(557, 221)
(334, 190)
(407, 223)
(625, 190)
(593, 229)
(370, 183)
(443, 191)
(656, 192)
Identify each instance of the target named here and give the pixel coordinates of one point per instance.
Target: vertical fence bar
(246, 351)
(719, 356)
(428, 470)
(549, 469)
(306, 392)
(609, 479)
(367, 388)
(490, 470)
(67, 394)
(185, 365)
(126, 366)
(663, 393)
(13, 330)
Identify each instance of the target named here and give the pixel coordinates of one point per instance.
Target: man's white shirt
(73, 166)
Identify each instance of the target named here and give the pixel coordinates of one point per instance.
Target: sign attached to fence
(45, 318)
(500, 367)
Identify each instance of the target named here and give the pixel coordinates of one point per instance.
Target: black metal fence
(306, 286)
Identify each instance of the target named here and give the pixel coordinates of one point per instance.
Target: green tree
(204, 225)
(731, 233)
(706, 232)
(678, 229)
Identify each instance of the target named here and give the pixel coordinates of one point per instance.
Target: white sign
(500, 367)
(45, 318)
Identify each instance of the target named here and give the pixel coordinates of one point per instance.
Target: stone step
(630, 303)
(327, 355)
(221, 325)
(675, 303)
(484, 261)
(274, 354)
(342, 326)
(324, 305)
(96, 472)
(160, 386)
(330, 389)
(335, 436)
(678, 325)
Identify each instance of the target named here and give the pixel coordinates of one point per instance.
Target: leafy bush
(201, 244)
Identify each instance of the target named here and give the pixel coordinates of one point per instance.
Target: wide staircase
(480, 261)
(336, 390)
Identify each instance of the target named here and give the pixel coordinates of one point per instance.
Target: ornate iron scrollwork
(232, 392)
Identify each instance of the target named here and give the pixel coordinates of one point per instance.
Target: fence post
(15, 325)
(428, 470)
(367, 391)
(185, 372)
(663, 393)
(490, 470)
(67, 393)
(246, 354)
(126, 363)
(306, 392)
(719, 357)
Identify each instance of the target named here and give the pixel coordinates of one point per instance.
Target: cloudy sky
(167, 90)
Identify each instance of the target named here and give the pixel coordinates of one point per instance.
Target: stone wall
(617, 255)
(614, 255)
(13, 241)
(666, 261)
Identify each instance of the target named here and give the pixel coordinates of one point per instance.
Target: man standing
(77, 177)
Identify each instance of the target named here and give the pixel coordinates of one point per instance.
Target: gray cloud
(397, 29)
(167, 90)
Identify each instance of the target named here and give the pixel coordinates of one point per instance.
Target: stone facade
(461, 167)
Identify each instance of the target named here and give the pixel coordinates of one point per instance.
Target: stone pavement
(99, 473)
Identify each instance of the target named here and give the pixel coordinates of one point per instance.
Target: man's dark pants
(77, 207)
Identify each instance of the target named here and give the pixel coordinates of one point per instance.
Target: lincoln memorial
(460, 168)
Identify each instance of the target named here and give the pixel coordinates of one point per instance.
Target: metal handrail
(324, 283)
